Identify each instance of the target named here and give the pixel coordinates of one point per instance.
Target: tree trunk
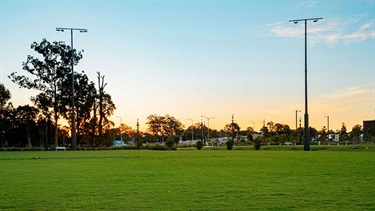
(56, 131)
(28, 134)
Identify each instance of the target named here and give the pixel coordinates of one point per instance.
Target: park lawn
(187, 180)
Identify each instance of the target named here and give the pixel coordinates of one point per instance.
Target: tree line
(49, 73)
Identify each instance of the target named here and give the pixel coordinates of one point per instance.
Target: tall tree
(84, 97)
(105, 105)
(232, 128)
(164, 125)
(343, 133)
(5, 111)
(26, 118)
(48, 74)
(356, 133)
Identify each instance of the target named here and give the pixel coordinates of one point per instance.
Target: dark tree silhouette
(48, 75)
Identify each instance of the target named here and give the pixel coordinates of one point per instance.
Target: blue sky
(211, 58)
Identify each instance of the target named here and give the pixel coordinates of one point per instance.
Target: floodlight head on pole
(306, 116)
(74, 140)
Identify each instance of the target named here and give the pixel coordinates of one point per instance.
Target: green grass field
(187, 180)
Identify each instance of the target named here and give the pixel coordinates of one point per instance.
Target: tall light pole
(120, 126)
(74, 136)
(306, 116)
(192, 129)
(137, 132)
(297, 119)
(208, 124)
(327, 123)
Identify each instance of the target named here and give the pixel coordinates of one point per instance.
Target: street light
(120, 126)
(297, 119)
(306, 116)
(208, 124)
(74, 136)
(327, 126)
(137, 132)
(192, 129)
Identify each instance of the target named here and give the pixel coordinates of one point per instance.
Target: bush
(230, 144)
(257, 143)
(170, 143)
(199, 145)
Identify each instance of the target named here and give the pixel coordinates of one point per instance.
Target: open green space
(187, 180)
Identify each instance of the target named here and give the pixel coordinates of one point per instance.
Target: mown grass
(187, 180)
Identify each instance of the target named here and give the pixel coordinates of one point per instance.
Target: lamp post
(327, 123)
(297, 119)
(120, 126)
(306, 116)
(137, 132)
(74, 136)
(192, 129)
(208, 125)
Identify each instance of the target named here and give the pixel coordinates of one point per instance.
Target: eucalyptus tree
(164, 125)
(47, 72)
(25, 119)
(232, 128)
(5, 110)
(84, 97)
(105, 106)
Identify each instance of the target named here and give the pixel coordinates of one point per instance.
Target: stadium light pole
(306, 134)
(208, 124)
(74, 136)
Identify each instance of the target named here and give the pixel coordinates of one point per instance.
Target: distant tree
(84, 95)
(48, 74)
(26, 118)
(233, 129)
(322, 135)
(271, 127)
(343, 133)
(282, 129)
(6, 110)
(356, 133)
(4, 95)
(313, 132)
(265, 131)
(164, 125)
(250, 130)
(105, 105)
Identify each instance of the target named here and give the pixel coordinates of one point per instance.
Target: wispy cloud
(330, 31)
(344, 100)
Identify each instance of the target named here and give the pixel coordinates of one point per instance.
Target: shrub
(230, 144)
(257, 143)
(199, 145)
(170, 143)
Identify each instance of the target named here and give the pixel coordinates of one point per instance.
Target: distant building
(368, 130)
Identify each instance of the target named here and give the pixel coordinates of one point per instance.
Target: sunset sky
(211, 58)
